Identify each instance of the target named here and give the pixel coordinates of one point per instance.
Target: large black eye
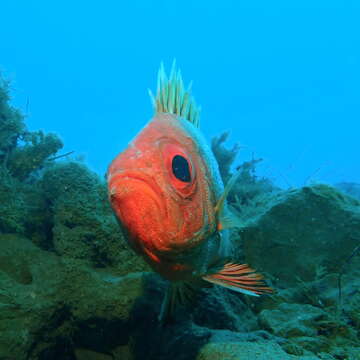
(180, 168)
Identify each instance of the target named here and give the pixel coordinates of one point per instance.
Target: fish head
(161, 189)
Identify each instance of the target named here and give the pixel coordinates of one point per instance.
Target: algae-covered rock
(32, 156)
(249, 185)
(219, 309)
(27, 282)
(247, 351)
(301, 231)
(309, 328)
(290, 320)
(22, 152)
(224, 156)
(22, 155)
(12, 125)
(13, 207)
(352, 307)
(349, 188)
(23, 209)
(44, 298)
(84, 354)
(84, 225)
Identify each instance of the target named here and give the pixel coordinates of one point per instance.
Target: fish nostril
(112, 192)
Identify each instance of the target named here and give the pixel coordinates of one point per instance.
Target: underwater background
(278, 83)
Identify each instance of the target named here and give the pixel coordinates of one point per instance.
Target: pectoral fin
(240, 278)
(226, 219)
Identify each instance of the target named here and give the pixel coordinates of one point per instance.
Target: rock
(84, 354)
(349, 188)
(122, 353)
(45, 299)
(352, 308)
(84, 226)
(311, 343)
(309, 328)
(27, 302)
(292, 320)
(219, 308)
(247, 351)
(316, 220)
(31, 157)
(348, 353)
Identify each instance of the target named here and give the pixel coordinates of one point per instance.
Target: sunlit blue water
(283, 76)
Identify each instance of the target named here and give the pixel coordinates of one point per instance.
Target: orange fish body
(166, 191)
(169, 216)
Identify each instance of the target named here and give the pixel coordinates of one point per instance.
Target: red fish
(166, 191)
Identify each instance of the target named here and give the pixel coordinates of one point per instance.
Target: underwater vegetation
(71, 289)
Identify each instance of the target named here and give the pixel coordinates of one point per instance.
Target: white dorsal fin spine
(221, 202)
(172, 97)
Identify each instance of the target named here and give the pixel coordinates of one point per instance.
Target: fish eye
(181, 168)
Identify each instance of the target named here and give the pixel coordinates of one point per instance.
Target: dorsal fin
(172, 97)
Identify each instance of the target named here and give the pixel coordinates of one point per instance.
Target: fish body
(169, 220)
(167, 193)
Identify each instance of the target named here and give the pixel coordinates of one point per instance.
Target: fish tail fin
(177, 294)
(240, 278)
(172, 96)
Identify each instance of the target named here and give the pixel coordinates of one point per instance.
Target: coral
(22, 152)
(12, 126)
(12, 204)
(349, 188)
(249, 187)
(224, 156)
(32, 156)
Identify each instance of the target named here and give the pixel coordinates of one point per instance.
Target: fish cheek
(139, 210)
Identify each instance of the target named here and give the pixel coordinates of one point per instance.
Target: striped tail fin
(240, 278)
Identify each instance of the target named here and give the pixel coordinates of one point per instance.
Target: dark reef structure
(71, 289)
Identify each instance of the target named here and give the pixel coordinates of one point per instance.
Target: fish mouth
(138, 204)
(154, 222)
(129, 184)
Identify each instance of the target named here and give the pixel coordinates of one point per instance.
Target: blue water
(284, 76)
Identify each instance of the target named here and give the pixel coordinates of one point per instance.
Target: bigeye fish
(166, 191)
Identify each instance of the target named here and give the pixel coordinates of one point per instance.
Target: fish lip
(115, 179)
(173, 250)
(145, 179)
(128, 174)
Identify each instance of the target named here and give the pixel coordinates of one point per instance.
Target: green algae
(71, 289)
